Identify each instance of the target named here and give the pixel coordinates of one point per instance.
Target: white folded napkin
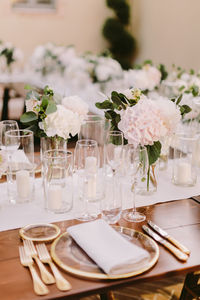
(110, 251)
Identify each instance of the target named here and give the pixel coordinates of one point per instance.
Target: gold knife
(164, 234)
(179, 254)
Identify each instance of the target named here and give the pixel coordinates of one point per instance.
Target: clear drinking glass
(86, 166)
(137, 164)
(6, 125)
(57, 180)
(95, 127)
(20, 173)
(111, 210)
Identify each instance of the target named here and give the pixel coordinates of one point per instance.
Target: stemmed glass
(111, 208)
(86, 164)
(5, 126)
(114, 150)
(137, 168)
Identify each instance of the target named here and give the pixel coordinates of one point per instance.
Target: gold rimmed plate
(39, 232)
(71, 258)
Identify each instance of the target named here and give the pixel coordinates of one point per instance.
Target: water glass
(57, 180)
(111, 204)
(20, 173)
(89, 176)
(185, 160)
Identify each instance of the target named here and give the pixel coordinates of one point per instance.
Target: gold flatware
(164, 234)
(47, 277)
(179, 254)
(38, 286)
(61, 283)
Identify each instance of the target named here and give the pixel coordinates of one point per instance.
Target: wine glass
(114, 150)
(137, 169)
(5, 126)
(86, 164)
(112, 207)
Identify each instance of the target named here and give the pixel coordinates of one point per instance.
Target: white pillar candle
(183, 172)
(23, 184)
(91, 164)
(91, 169)
(54, 197)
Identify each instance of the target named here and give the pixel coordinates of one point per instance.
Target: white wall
(167, 31)
(75, 22)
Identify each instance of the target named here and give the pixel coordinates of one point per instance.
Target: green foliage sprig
(118, 102)
(46, 105)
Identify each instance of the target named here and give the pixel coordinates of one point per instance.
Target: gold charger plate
(71, 258)
(42, 232)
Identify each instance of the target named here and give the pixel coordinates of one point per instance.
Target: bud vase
(147, 181)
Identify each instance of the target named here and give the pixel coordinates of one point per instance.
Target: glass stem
(134, 194)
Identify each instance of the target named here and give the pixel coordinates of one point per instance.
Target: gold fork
(47, 277)
(38, 286)
(61, 283)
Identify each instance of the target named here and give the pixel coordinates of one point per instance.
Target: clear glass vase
(146, 180)
(52, 143)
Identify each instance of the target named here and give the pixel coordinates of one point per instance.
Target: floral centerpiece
(9, 56)
(50, 58)
(146, 77)
(143, 121)
(46, 118)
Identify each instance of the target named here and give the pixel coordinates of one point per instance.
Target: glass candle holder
(184, 165)
(95, 127)
(20, 173)
(57, 180)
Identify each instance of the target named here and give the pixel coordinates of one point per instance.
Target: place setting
(99, 150)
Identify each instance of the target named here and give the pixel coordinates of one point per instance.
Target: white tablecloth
(16, 216)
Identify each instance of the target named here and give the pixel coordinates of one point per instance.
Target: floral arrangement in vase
(49, 115)
(143, 121)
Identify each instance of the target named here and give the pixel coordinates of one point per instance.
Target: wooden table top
(180, 218)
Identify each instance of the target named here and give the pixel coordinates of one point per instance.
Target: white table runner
(16, 216)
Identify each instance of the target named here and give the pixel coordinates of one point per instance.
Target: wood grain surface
(180, 218)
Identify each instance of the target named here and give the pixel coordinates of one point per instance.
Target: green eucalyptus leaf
(179, 99)
(45, 102)
(181, 88)
(32, 95)
(117, 100)
(163, 71)
(104, 105)
(153, 152)
(185, 109)
(195, 90)
(28, 117)
(51, 108)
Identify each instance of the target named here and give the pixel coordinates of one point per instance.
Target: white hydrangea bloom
(62, 123)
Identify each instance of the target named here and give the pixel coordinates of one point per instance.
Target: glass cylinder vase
(52, 143)
(20, 172)
(57, 180)
(95, 128)
(184, 160)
